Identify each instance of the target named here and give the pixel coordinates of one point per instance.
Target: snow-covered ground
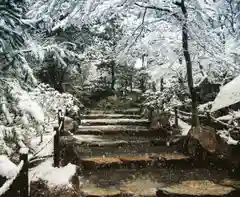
(9, 171)
(44, 148)
(53, 176)
(7, 168)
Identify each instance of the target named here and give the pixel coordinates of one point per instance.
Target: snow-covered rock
(228, 95)
(224, 134)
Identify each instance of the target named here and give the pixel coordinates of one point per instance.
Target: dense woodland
(158, 55)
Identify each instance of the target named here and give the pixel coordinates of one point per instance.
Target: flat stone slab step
(138, 187)
(85, 148)
(149, 188)
(200, 188)
(110, 151)
(113, 141)
(135, 161)
(94, 191)
(141, 182)
(119, 111)
(110, 116)
(111, 129)
(231, 183)
(122, 121)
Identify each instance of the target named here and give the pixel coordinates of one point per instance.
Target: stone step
(97, 147)
(134, 188)
(120, 121)
(115, 141)
(130, 160)
(110, 116)
(112, 129)
(200, 188)
(141, 182)
(122, 142)
(119, 111)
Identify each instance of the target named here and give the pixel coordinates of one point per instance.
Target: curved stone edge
(162, 193)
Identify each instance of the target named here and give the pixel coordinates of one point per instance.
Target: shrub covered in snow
(165, 99)
(30, 112)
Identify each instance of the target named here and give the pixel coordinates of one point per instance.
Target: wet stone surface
(201, 188)
(135, 161)
(231, 183)
(146, 181)
(140, 187)
(95, 191)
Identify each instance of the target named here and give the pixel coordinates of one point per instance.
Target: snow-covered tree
(11, 26)
(153, 28)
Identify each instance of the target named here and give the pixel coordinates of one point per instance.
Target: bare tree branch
(142, 27)
(160, 9)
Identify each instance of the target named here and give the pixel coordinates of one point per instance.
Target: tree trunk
(126, 85)
(195, 120)
(131, 82)
(142, 84)
(113, 75)
(161, 84)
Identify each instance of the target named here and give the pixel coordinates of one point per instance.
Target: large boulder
(70, 125)
(203, 141)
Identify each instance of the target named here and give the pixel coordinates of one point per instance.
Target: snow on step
(101, 116)
(94, 140)
(127, 111)
(111, 129)
(109, 138)
(114, 121)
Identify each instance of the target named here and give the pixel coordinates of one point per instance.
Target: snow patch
(53, 176)
(23, 151)
(234, 115)
(88, 138)
(7, 168)
(226, 136)
(47, 150)
(205, 107)
(185, 128)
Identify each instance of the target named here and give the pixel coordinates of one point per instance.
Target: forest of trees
(63, 52)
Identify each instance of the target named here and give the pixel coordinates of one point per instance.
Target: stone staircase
(120, 156)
